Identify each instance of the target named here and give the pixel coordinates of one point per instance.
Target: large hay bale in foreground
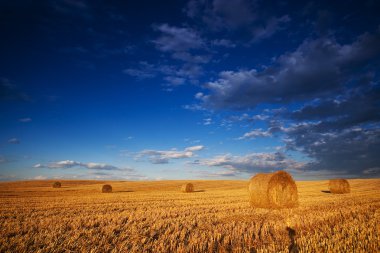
(187, 187)
(339, 186)
(57, 185)
(107, 188)
(273, 190)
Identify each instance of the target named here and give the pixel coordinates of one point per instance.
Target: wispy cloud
(177, 39)
(215, 174)
(3, 159)
(372, 171)
(175, 80)
(246, 117)
(111, 175)
(223, 43)
(222, 14)
(93, 170)
(172, 75)
(79, 8)
(9, 91)
(163, 156)
(194, 148)
(66, 164)
(256, 133)
(144, 70)
(253, 162)
(14, 141)
(207, 121)
(244, 15)
(194, 107)
(181, 44)
(40, 177)
(8, 177)
(272, 25)
(25, 120)
(263, 133)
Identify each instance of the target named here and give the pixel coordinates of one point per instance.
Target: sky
(199, 89)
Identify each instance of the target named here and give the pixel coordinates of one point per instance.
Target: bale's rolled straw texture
(187, 187)
(57, 185)
(273, 190)
(107, 188)
(339, 186)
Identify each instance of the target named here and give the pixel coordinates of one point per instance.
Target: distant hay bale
(107, 188)
(273, 190)
(339, 186)
(57, 185)
(187, 187)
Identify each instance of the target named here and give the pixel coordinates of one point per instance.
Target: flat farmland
(155, 216)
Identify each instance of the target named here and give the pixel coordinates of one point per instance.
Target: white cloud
(66, 164)
(194, 148)
(253, 162)
(62, 164)
(256, 133)
(100, 166)
(40, 177)
(276, 128)
(207, 121)
(163, 156)
(199, 95)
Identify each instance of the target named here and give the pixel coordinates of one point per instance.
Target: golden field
(157, 217)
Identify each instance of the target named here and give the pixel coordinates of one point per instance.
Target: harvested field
(157, 217)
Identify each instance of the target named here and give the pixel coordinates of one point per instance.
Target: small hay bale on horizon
(57, 185)
(107, 188)
(339, 186)
(188, 187)
(273, 190)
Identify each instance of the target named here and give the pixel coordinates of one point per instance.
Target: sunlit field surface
(158, 217)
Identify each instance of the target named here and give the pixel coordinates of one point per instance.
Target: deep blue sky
(189, 89)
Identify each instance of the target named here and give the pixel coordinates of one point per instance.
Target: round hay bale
(187, 187)
(57, 185)
(107, 188)
(339, 186)
(273, 190)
